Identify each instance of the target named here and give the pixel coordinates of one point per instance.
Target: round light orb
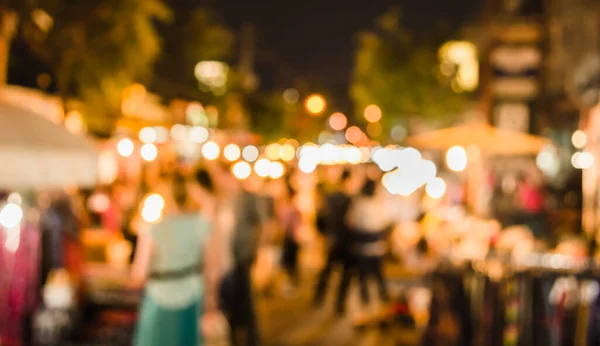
(436, 188)
(315, 104)
(178, 132)
(199, 134)
(125, 147)
(241, 170)
(287, 152)
(456, 159)
(154, 201)
(291, 96)
(338, 121)
(276, 170)
(262, 167)
(11, 215)
(250, 153)
(231, 152)
(211, 150)
(272, 151)
(148, 135)
(149, 152)
(579, 139)
(354, 134)
(307, 165)
(372, 113)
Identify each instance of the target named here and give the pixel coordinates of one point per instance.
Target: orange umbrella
(490, 140)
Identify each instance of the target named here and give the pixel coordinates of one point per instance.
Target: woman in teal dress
(168, 261)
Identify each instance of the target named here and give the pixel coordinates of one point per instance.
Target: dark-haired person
(369, 227)
(168, 261)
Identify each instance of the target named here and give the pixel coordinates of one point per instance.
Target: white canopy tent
(35, 152)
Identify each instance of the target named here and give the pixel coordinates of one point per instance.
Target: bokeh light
(74, 122)
(583, 160)
(291, 96)
(372, 113)
(354, 134)
(98, 202)
(307, 165)
(198, 134)
(231, 152)
(149, 152)
(154, 201)
(287, 152)
(178, 132)
(456, 159)
(276, 170)
(262, 167)
(211, 150)
(250, 153)
(241, 170)
(125, 147)
(11, 215)
(148, 135)
(162, 134)
(374, 129)
(398, 133)
(338, 121)
(579, 139)
(272, 151)
(315, 104)
(436, 188)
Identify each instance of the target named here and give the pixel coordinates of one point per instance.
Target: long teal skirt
(158, 326)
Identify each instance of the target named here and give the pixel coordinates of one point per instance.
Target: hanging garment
(19, 274)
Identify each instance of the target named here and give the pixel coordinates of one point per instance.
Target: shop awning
(490, 140)
(37, 153)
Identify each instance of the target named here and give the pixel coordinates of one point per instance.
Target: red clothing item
(531, 198)
(19, 276)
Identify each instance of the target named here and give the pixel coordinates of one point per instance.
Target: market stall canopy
(490, 140)
(37, 153)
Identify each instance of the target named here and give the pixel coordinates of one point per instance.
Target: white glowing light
(98, 203)
(178, 132)
(456, 159)
(242, 170)
(154, 201)
(149, 152)
(287, 152)
(272, 151)
(162, 134)
(148, 135)
(125, 147)
(307, 165)
(428, 171)
(151, 215)
(231, 152)
(579, 139)
(276, 170)
(198, 134)
(262, 167)
(548, 162)
(11, 215)
(582, 160)
(250, 153)
(436, 188)
(211, 150)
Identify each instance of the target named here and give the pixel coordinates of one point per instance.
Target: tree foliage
(95, 49)
(400, 76)
(195, 36)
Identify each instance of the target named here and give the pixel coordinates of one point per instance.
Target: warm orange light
(374, 129)
(315, 104)
(354, 134)
(372, 113)
(338, 121)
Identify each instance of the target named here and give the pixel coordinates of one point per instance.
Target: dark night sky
(316, 39)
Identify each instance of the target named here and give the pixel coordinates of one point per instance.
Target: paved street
(292, 322)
